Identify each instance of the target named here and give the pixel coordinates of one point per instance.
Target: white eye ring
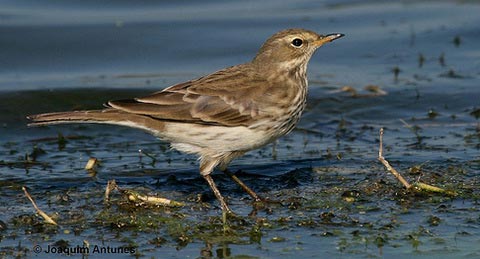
(297, 42)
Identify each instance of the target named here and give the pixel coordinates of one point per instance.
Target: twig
(111, 185)
(44, 215)
(387, 164)
(152, 200)
(140, 198)
(418, 186)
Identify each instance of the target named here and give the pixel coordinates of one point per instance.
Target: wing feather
(229, 97)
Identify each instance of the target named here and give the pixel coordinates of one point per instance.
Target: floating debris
(374, 90)
(91, 164)
(36, 152)
(396, 71)
(348, 89)
(452, 74)
(61, 141)
(441, 59)
(475, 113)
(421, 60)
(432, 114)
(457, 41)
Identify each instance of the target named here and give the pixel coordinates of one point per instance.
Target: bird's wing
(229, 97)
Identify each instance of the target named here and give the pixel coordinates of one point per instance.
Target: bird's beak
(328, 38)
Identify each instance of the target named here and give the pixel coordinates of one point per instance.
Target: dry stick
(138, 198)
(152, 200)
(47, 218)
(387, 164)
(418, 186)
(111, 185)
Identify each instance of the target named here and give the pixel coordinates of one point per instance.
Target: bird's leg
(243, 185)
(207, 164)
(223, 166)
(219, 196)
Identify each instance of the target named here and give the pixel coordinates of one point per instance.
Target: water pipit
(221, 116)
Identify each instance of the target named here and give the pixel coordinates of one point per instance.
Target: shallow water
(336, 199)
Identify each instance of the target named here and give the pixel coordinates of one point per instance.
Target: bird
(223, 115)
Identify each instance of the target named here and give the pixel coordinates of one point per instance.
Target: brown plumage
(225, 114)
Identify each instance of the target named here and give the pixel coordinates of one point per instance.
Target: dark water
(336, 199)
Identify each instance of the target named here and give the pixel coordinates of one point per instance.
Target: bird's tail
(94, 116)
(106, 116)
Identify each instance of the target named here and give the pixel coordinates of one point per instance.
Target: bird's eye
(297, 42)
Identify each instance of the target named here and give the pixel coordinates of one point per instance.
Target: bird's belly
(218, 138)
